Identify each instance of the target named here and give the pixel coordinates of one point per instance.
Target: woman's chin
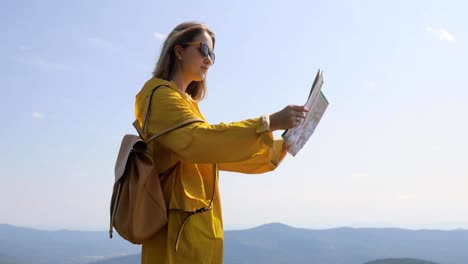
(201, 77)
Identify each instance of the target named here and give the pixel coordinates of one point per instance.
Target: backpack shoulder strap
(140, 128)
(136, 124)
(181, 124)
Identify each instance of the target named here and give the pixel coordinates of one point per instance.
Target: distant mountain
(25, 246)
(272, 244)
(132, 259)
(400, 261)
(7, 260)
(277, 243)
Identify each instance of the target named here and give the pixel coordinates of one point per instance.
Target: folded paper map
(317, 104)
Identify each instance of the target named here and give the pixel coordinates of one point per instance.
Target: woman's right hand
(291, 116)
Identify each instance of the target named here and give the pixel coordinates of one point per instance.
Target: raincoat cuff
(264, 124)
(276, 150)
(278, 153)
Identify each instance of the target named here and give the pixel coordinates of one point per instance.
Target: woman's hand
(291, 116)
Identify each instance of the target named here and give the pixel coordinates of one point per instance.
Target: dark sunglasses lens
(206, 52)
(204, 49)
(212, 56)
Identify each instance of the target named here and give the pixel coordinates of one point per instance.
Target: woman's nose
(208, 60)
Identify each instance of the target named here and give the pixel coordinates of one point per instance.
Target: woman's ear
(178, 51)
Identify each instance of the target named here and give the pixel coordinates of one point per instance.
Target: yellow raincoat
(191, 157)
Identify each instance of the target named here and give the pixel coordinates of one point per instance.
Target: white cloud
(159, 36)
(40, 63)
(103, 44)
(441, 34)
(403, 197)
(435, 147)
(37, 115)
(359, 175)
(372, 85)
(25, 47)
(94, 257)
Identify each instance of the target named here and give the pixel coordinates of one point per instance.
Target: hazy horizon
(106, 228)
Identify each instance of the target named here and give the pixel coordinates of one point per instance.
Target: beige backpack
(138, 210)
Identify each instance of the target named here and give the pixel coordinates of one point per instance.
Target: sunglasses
(203, 49)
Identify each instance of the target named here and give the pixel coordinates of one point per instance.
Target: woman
(190, 156)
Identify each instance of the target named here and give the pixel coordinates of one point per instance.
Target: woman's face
(194, 65)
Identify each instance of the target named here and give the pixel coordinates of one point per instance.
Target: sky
(390, 151)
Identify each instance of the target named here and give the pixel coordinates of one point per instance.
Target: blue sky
(389, 151)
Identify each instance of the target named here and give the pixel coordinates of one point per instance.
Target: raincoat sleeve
(267, 161)
(238, 146)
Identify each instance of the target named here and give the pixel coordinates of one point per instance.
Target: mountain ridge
(268, 243)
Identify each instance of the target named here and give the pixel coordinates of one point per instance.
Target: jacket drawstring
(200, 210)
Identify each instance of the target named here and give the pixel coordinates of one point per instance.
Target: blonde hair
(183, 33)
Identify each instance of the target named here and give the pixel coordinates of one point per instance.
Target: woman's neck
(180, 81)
